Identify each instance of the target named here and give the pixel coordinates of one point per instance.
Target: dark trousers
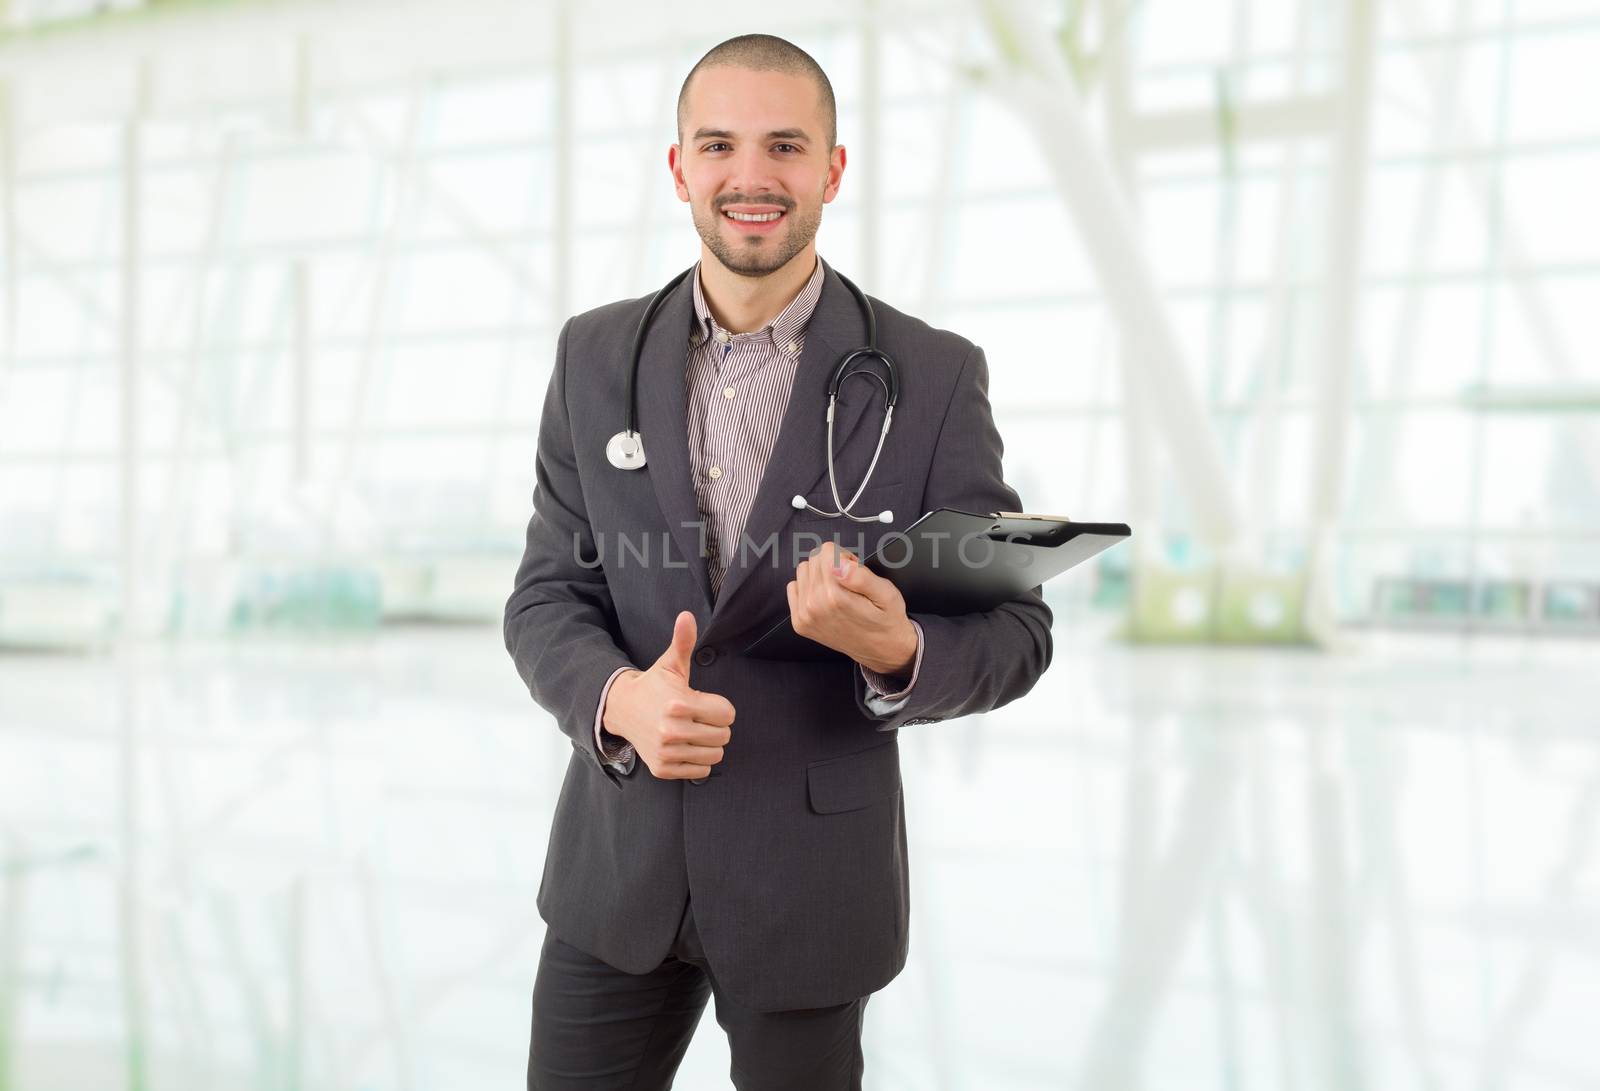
(600, 1029)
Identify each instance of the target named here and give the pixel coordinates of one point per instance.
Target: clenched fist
(677, 731)
(836, 600)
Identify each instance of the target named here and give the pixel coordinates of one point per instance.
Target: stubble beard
(759, 256)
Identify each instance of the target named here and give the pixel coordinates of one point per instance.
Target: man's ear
(836, 160)
(675, 166)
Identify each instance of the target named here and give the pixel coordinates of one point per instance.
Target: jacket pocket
(854, 781)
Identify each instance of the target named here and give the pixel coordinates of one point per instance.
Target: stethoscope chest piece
(625, 451)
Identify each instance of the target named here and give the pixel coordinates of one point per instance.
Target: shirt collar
(781, 332)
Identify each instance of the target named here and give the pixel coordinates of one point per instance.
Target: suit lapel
(663, 401)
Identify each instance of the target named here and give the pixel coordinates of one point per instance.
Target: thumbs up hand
(678, 732)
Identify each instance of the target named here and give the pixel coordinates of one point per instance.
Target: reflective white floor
(1165, 868)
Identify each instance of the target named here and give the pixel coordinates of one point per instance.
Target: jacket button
(705, 656)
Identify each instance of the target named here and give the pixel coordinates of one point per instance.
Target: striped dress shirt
(737, 387)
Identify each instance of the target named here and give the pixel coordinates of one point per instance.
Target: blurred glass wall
(244, 249)
(1303, 291)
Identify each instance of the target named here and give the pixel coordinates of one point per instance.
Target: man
(733, 826)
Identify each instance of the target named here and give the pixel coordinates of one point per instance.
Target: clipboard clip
(1049, 532)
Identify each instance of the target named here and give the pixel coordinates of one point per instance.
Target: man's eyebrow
(775, 134)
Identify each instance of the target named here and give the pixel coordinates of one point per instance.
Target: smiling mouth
(753, 221)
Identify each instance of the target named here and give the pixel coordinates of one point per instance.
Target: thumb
(676, 657)
(857, 577)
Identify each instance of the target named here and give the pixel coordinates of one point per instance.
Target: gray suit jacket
(795, 846)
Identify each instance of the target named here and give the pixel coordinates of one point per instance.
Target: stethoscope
(625, 451)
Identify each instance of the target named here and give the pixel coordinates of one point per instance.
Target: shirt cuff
(881, 695)
(614, 750)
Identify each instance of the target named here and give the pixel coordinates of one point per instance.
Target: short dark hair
(765, 53)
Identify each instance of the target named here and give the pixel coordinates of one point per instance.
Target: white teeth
(752, 217)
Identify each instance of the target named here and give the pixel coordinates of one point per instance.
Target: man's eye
(787, 146)
(716, 145)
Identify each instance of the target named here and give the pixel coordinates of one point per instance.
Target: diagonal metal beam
(1375, 479)
(1038, 85)
(1138, 432)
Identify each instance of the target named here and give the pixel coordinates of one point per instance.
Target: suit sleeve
(560, 621)
(978, 661)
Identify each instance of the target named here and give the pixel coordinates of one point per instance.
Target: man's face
(755, 143)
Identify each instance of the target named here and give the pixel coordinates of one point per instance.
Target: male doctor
(732, 826)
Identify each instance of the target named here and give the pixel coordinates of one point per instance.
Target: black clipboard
(959, 562)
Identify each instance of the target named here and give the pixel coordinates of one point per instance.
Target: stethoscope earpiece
(798, 503)
(625, 450)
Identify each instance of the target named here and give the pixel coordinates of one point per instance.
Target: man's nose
(752, 174)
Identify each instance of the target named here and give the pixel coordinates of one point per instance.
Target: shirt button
(727, 392)
(793, 346)
(714, 473)
(722, 335)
